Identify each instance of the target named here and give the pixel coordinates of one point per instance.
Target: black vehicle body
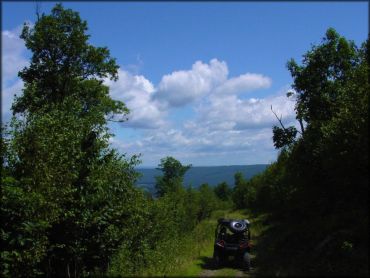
(232, 238)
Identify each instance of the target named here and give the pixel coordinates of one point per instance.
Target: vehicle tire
(246, 261)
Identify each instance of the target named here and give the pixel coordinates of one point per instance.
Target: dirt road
(217, 273)
(229, 270)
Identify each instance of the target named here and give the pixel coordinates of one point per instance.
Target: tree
(207, 201)
(223, 191)
(71, 194)
(320, 85)
(239, 190)
(173, 175)
(63, 65)
(324, 172)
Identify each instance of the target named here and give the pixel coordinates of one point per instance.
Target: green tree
(173, 175)
(239, 190)
(323, 171)
(207, 201)
(70, 193)
(223, 191)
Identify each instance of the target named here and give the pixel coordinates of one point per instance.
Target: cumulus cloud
(204, 80)
(231, 112)
(136, 92)
(243, 83)
(225, 128)
(150, 104)
(182, 87)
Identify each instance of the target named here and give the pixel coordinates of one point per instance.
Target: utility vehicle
(232, 239)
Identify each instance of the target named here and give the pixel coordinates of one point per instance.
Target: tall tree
(223, 191)
(324, 172)
(77, 193)
(173, 175)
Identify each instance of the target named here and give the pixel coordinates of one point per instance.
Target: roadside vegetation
(316, 193)
(70, 207)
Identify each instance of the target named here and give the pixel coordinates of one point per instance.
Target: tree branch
(38, 10)
(281, 123)
(301, 124)
(279, 119)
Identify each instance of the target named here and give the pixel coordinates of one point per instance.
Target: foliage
(240, 191)
(66, 196)
(173, 175)
(208, 202)
(283, 136)
(223, 191)
(170, 225)
(317, 189)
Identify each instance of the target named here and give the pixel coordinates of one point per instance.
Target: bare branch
(116, 121)
(279, 119)
(301, 124)
(38, 8)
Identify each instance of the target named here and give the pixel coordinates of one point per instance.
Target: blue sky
(199, 78)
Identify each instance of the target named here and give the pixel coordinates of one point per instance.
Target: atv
(232, 239)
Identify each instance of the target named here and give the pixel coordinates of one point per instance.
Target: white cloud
(13, 60)
(226, 128)
(231, 112)
(7, 98)
(13, 54)
(186, 86)
(200, 145)
(243, 83)
(182, 87)
(136, 92)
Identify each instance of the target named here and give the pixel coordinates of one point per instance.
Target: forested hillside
(70, 204)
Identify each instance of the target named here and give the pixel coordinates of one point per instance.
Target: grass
(201, 246)
(192, 255)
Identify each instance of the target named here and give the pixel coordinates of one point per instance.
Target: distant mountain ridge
(198, 175)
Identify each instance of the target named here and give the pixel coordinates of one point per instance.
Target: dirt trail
(225, 272)
(230, 269)
(207, 273)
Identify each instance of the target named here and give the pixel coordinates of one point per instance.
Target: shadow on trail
(207, 264)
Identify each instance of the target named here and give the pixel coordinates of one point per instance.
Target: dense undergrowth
(174, 234)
